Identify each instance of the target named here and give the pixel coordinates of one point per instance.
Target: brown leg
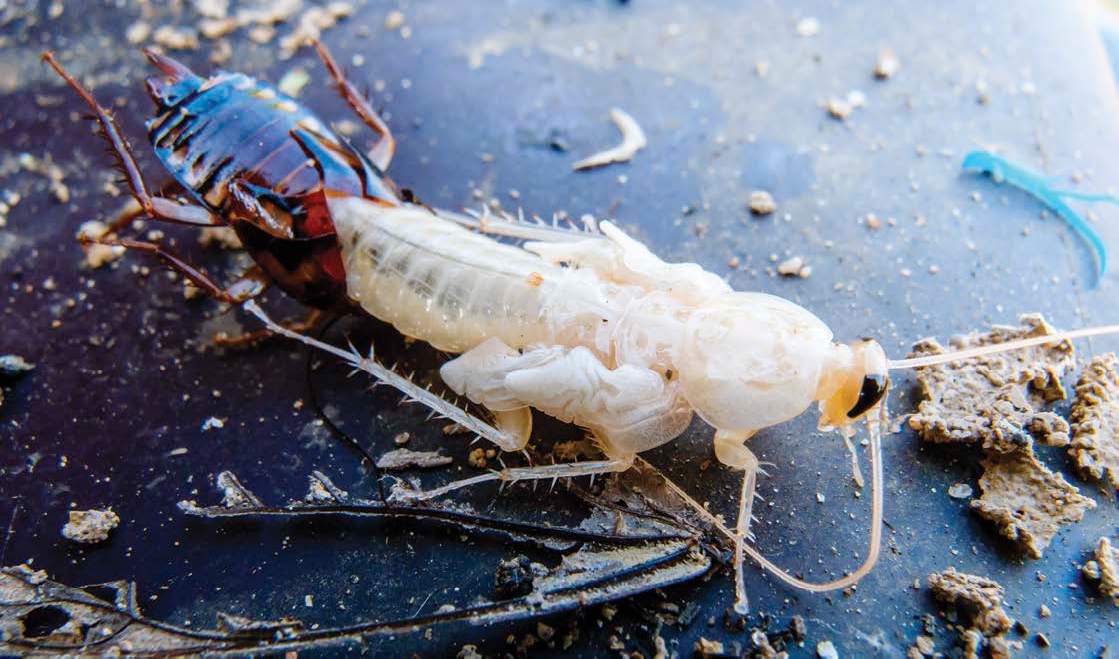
(250, 339)
(382, 151)
(154, 207)
(251, 284)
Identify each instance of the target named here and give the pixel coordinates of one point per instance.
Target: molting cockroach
(596, 331)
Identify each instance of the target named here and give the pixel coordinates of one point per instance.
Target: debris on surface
(994, 399)
(477, 458)
(175, 38)
(960, 491)
(293, 82)
(96, 254)
(1104, 568)
(886, 65)
(1094, 419)
(841, 108)
(633, 140)
(403, 458)
(979, 600)
(310, 25)
(707, 648)
(1039, 187)
(514, 577)
(13, 367)
(794, 267)
(762, 203)
(90, 526)
(809, 26)
(826, 650)
(1027, 501)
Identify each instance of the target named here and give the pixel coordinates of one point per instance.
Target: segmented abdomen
(439, 283)
(235, 126)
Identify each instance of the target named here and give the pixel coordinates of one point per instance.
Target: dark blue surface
(128, 376)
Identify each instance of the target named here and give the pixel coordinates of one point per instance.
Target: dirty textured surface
(978, 601)
(1026, 500)
(994, 400)
(497, 101)
(1095, 421)
(1104, 569)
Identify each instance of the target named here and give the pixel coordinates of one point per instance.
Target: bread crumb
(90, 526)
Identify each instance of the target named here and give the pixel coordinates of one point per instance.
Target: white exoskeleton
(599, 332)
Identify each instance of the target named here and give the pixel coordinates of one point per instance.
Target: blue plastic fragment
(1038, 186)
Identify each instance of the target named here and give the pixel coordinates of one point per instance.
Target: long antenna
(959, 355)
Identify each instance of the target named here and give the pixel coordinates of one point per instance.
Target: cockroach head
(856, 385)
(175, 84)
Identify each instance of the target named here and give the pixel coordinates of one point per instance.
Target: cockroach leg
(515, 474)
(251, 284)
(382, 151)
(412, 392)
(251, 339)
(155, 207)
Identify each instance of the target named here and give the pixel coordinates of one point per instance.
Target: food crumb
(1104, 568)
(90, 526)
(809, 26)
(826, 650)
(706, 648)
(212, 422)
(477, 458)
(96, 254)
(762, 203)
(794, 267)
(1026, 500)
(401, 438)
(394, 20)
(838, 108)
(960, 491)
(886, 65)
(1044, 612)
(1094, 420)
(993, 400)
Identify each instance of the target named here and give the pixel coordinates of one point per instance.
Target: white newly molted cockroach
(588, 327)
(601, 333)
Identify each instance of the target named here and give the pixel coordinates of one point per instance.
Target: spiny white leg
(742, 529)
(517, 227)
(410, 389)
(512, 475)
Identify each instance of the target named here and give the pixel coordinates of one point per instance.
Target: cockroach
(596, 331)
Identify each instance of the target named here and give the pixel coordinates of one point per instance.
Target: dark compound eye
(873, 389)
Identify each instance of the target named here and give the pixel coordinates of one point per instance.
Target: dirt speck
(90, 526)
(794, 267)
(762, 203)
(1095, 420)
(403, 458)
(960, 491)
(708, 648)
(886, 65)
(477, 458)
(1026, 500)
(826, 650)
(809, 26)
(1104, 568)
